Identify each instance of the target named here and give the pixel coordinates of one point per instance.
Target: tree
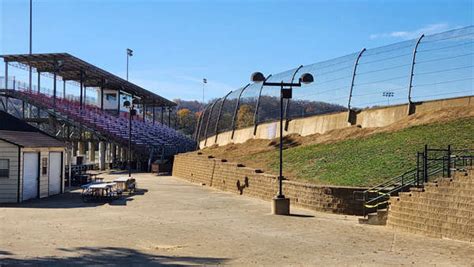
(186, 121)
(244, 116)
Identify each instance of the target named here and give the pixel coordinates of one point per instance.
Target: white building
(31, 162)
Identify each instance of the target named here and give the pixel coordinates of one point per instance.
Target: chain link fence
(427, 68)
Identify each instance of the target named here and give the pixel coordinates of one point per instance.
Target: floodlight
(306, 78)
(126, 104)
(257, 77)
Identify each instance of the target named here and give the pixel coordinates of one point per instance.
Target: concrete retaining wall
(238, 179)
(444, 210)
(375, 117)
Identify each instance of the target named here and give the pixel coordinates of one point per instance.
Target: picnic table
(126, 183)
(98, 190)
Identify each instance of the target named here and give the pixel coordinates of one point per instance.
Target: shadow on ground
(73, 199)
(108, 256)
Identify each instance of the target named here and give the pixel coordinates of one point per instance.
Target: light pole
(31, 44)
(281, 204)
(129, 54)
(131, 111)
(204, 81)
(388, 94)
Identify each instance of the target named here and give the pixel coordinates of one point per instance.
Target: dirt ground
(173, 222)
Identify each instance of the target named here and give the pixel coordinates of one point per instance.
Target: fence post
(449, 161)
(411, 107)
(219, 115)
(198, 125)
(418, 169)
(6, 75)
(201, 121)
(351, 119)
(425, 164)
(255, 116)
(234, 117)
(207, 123)
(287, 104)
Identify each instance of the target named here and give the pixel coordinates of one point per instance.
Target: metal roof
(30, 139)
(70, 68)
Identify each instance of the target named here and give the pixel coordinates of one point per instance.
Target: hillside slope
(355, 156)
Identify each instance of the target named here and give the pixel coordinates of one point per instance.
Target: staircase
(432, 164)
(443, 209)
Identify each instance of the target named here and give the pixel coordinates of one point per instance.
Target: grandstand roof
(70, 68)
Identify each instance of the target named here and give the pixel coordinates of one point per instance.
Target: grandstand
(76, 120)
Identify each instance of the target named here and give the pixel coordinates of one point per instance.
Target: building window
(4, 168)
(44, 165)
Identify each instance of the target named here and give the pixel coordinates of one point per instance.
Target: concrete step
(375, 218)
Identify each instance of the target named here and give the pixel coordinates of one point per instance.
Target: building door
(55, 172)
(30, 175)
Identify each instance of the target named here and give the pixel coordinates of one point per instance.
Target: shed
(31, 162)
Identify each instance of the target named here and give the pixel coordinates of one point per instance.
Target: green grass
(370, 160)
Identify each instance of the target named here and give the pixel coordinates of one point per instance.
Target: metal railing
(430, 67)
(432, 163)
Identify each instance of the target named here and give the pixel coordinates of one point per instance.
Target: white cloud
(406, 35)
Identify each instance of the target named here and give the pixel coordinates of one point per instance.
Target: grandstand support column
(23, 109)
(85, 95)
(216, 132)
(234, 116)
(6, 74)
(102, 94)
(64, 89)
(113, 153)
(54, 88)
(91, 152)
(118, 102)
(74, 148)
(123, 154)
(144, 112)
(81, 85)
(81, 147)
(39, 82)
(153, 114)
(411, 106)
(169, 116)
(162, 114)
(257, 106)
(351, 115)
(39, 90)
(5, 104)
(102, 155)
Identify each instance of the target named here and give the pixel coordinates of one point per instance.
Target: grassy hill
(359, 160)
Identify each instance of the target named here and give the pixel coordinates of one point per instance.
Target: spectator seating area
(147, 136)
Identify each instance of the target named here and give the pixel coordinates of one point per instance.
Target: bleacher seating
(146, 136)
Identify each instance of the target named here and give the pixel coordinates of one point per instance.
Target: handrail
(432, 167)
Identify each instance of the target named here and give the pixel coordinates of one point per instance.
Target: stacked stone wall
(444, 210)
(236, 178)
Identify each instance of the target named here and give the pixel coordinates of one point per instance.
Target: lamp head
(306, 78)
(126, 104)
(257, 77)
(129, 52)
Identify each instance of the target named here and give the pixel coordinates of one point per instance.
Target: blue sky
(177, 43)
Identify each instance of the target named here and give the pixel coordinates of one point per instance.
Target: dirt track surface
(173, 222)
